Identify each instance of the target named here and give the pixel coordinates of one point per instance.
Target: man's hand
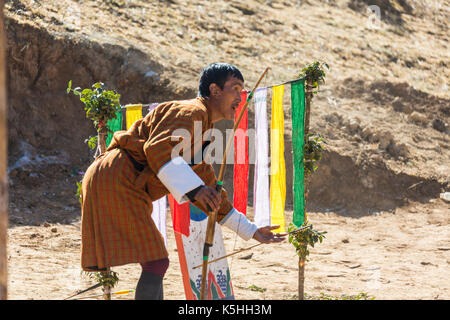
(265, 235)
(208, 197)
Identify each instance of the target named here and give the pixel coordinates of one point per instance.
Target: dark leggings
(150, 285)
(158, 267)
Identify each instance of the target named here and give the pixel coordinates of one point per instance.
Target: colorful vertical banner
(180, 216)
(152, 106)
(241, 162)
(159, 216)
(298, 141)
(190, 253)
(261, 198)
(133, 113)
(114, 125)
(278, 170)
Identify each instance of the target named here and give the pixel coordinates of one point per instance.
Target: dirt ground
(403, 254)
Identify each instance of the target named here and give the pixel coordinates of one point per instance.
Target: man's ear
(214, 89)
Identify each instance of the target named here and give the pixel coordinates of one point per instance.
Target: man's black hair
(217, 73)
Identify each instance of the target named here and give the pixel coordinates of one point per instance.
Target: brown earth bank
(384, 112)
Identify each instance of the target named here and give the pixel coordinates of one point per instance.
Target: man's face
(229, 97)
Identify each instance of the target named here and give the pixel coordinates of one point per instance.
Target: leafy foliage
(92, 142)
(110, 278)
(100, 105)
(256, 288)
(301, 239)
(314, 74)
(78, 194)
(312, 152)
(323, 296)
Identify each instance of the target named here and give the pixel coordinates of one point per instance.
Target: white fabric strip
(159, 216)
(239, 223)
(179, 178)
(261, 198)
(152, 106)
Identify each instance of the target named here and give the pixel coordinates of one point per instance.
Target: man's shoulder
(191, 108)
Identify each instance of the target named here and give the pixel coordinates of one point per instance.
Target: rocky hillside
(384, 109)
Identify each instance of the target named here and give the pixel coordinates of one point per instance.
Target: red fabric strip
(181, 216)
(241, 165)
(184, 269)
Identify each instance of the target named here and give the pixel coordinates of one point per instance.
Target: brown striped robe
(117, 227)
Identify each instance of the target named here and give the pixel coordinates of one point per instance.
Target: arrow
(85, 290)
(251, 247)
(113, 293)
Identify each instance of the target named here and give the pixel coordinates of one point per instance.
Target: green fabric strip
(114, 125)
(298, 131)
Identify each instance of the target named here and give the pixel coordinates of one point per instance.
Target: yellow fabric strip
(133, 113)
(277, 170)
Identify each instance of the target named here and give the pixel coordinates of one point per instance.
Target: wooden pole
(302, 262)
(3, 164)
(101, 140)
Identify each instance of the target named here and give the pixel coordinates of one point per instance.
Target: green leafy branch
(323, 296)
(110, 278)
(301, 239)
(314, 74)
(92, 142)
(312, 152)
(78, 194)
(256, 288)
(100, 105)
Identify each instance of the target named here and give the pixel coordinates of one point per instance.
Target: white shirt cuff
(179, 178)
(239, 223)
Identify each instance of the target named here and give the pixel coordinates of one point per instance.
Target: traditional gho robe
(140, 166)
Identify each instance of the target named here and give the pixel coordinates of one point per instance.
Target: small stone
(335, 275)
(345, 241)
(385, 139)
(400, 106)
(398, 150)
(333, 118)
(352, 126)
(54, 230)
(418, 118)
(439, 125)
(445, 196)
(247, 257)
(366, 133)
